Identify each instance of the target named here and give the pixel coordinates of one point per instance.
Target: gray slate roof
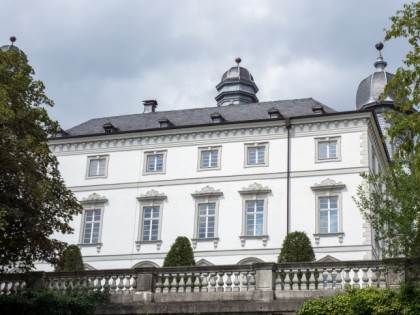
(198, 116)
(370, 88)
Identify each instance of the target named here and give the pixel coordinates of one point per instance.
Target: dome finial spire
(380, 64)
(238, 60)
(12, 39)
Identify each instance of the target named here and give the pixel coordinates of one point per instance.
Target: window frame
(154, 153)
(92, 202)
(206, 195)
(248, 146)
(202, 150)
(320, 140)
(152, 198)
(93, 158)
(254, 192)
(326, 189)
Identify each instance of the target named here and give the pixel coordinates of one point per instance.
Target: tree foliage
(71, 260)
(296, 247)
(34, 202)
(368, 301)
(390, 200)
(180, 254)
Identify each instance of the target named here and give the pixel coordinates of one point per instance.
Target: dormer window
(109, 128)
(164, 122)
(216, 118)
(318, 109)
(274, 113)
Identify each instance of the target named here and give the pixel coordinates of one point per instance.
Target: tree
(34, 201)
(71, 260)
(296, 247)
(180, 254)
(390, 200)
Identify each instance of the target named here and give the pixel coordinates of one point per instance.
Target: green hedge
(296, 248)
(181, 254)
(52, 303)
(369, 301)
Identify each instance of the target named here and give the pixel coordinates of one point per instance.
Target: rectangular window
(328, 214)
(92, 226)
(327, 149)
(206, 220)
(256, 154)
(154, 162)
(150, 230)
(97, 166)
(209, 158)
(254, 218)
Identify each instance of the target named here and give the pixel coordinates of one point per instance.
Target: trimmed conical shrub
(71, 260)
(180, 254)
(296, 247)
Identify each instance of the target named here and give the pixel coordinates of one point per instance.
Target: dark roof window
(318, 109)
(216, 118)
(109, 128)
(274, 113)
(164, 122)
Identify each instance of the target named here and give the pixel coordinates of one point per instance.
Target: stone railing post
(265, 280)
(146, 284)
(36, 280)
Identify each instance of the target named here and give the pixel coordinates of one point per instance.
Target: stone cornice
(255, 188)
(328, 184)
(207, 191)
(152, 195)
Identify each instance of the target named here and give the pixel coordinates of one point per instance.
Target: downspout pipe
(288, 127)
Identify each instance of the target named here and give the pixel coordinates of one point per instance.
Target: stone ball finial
(379, 46)
(12, 39)
(238, 60)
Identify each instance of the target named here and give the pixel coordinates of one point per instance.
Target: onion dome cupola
(11, 46)
(236, 87)
(370, 88)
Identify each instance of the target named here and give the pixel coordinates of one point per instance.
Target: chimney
(149, 106)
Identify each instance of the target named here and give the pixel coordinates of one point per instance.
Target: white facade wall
(126, 181)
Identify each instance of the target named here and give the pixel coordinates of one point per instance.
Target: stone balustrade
(227, 279)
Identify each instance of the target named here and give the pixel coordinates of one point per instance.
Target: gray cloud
(101, 58)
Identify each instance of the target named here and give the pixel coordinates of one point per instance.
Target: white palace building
(234, 178)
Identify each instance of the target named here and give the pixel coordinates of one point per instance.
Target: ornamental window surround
(155, 162)
(256, 154)
(254, 213)
(206, 216)
(209, 158)
(151, 209)
(328, 210)
(328, 149)
(92, 221)
(97, 166)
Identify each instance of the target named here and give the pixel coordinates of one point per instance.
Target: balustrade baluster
(220, 282)
(204, 283)
(189, 283)
(251, 281)
(166, 283)
(84, 283)
(212, 282)
(5, 288)
(338, 278)
(228, 282)
(19, 286)
(304, 280)
(329, 278)
(181, 284)
(62, 287)
(295, 280)
(278, 281)
(134, 284)
(106, 283)
(312, 280)
(69, 284)
(76, 284)
(159, 284)
(120, 284)
(365, 278)
(236, 282)
(98, 284)
(347, 278)
(196, 276)
(174, 283)
(91, 283)
(114, 285)
(12, 289)
(127, 284)
(356, 278)
(287, 280)
(320, 279)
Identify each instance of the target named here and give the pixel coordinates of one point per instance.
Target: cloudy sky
(101, 58)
